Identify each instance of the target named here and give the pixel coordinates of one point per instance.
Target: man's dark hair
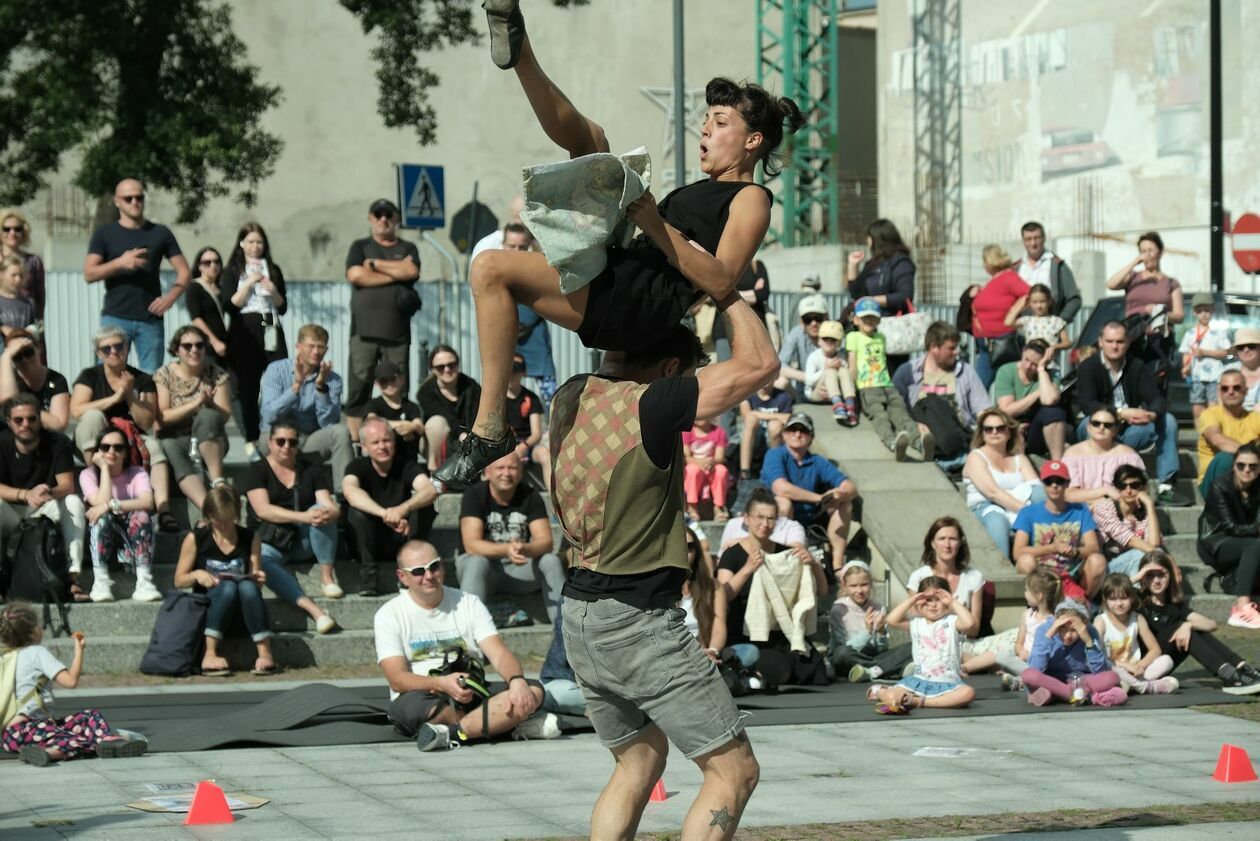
(516, 228)
(939, 333)
(1112, 324)
(1029, 227)
(22, 398)
(1038, 345)
(761, 496)
(680, 344)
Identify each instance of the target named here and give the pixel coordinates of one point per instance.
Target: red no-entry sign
(1246, 242)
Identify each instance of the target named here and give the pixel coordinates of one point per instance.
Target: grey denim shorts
(638, 667)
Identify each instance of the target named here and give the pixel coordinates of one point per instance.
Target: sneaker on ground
(145, 591)
(1240, 616)
(1161, 686)
(102, 590)
(900, 445)
(1039, 697)
(1113, 697)
(121, 748)
(325, 624)
(1012, 683)
(928, 446)
(332, 590)
(540, 726)
(431, 737)
(1240, 683)
(34, 755)
(858, 674)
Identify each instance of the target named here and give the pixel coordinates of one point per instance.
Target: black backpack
(178, 635)
(36, 568)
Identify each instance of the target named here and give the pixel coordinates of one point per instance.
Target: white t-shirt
(970, 581)
(34, 662)
(492, 241)
(405, 629)
(787, 532)
(936, 649)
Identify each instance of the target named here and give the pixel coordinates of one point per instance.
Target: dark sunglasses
(382, 214)
(1097, 424)
(137, 199)
(447, 366)
(1246, 347)
(208, 263)
(24, 354)
(116, 347)
(813, 319)
(1132, 485)
(23, 420)
(1246, 466)
(113, 448)
(994, 429)
(13, 229)
(1233, 389)
(191, 346)
(284, 442)
(1055, 480)
(431, 567)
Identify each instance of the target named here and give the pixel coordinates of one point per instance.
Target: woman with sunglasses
(113, 393)
(1093, 462)
(291, 497)
(21, 369)
(205, 309)
(1229, 534)
(119, 502)
(224, 561)
(1127, 524)
(254, 295)
(193, 406)
(998, 478)
(15, 234)
(448, 400)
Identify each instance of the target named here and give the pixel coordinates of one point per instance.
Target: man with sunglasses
(383, 270)
(616, 440)
(1223, 428)
(419, 631)
(37, 477)
(1060, 535)
(128, 255)
(801, 341)
(1112, 378)
(1247, 349)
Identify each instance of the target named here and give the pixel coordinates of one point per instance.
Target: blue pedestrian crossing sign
(421, 196)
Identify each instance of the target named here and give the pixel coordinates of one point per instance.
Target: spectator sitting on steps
(119, 503)
(944, 393)
(764, 414)
(418, 632)
(505, 539)
(1223, 428)
(1060, 535)
(1025, 389)
(22, 370)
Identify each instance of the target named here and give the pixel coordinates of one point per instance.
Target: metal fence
(73, 310)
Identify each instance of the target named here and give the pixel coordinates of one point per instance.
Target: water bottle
(194, 452)
(1078, 689)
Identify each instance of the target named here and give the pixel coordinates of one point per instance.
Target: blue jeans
(145, 337)
(747, 654)
(320, 542)
(996, 524)
(1162, 432)
(983, 363)
(564, 697)
(224, 598)
(1127, 562)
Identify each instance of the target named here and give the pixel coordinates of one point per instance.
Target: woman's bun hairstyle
(762, 112)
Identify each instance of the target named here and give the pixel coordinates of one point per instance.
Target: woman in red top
(1150, 292)
(989, 305)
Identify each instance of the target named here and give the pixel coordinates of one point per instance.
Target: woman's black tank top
(699, 210)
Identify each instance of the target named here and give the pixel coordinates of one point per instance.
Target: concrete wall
(1129, 79)
(338, 157)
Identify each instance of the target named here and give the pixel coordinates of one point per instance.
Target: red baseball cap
(1055, 470)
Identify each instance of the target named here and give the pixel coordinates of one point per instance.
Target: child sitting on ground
(32, 732)
(1203, 351)
(827, 378)
(1126, 634)
(704, 448)
(938, 621)
(882, 405)
(859, 635)
(1068, 662)
(1042, 591)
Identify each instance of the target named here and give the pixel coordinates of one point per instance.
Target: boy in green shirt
(882, 405)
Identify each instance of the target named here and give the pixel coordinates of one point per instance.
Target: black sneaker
(464, 467)
(121, 748)
(167, 522)
(1247, 671)
(507, 31)
(1241, 683)
(34, 755)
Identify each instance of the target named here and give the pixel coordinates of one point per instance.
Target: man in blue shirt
(306, 389)
(809, 488)
(1060, 535)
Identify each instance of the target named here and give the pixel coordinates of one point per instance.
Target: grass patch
(949, 826)
(1247, 712)
(309, 674)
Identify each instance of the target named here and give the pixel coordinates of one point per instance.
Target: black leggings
(890, 661)
(1205, 648)
(1237, 556)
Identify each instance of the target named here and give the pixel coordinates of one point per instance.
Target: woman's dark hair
(284, 421)
(113, 430)
(172, 346)
(929, 553)
(442, 349)
(1119, 586)
(1041, 289)
(761, 496)
(1154, 238)
(1109, 410)
(1163, 560)
(236, 263)
(886, 240)
(1251, 448)
(761, 111)
(18, 625)
(701, 585)
(680, 344)
(196, 266)
(221, 503)
(1124, 473)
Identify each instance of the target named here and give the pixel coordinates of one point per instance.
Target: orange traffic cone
(208, 806)
(1234, 766)
(658, 793)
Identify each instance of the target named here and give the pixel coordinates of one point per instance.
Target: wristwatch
(115, 506)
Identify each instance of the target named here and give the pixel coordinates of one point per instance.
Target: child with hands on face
(1042, 591)
(1131, 645)
(935, 620)
(1068, 662)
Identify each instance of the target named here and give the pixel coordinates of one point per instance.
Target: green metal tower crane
(798, 48)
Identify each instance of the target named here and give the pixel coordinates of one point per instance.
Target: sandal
(78, 594)
(216, 672)
(263, 672)
(891, 709)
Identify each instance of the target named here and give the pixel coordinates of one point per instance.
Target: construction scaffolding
(798, 55)
(937, 122)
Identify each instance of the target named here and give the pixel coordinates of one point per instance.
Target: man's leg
(503, 716)
(638, 765)
(1139, 436)
(545, 573)
(360, 368)
(838, 531)
(474, 572)
(1167, 461)
(71, 519)
(149, 344)
(332, 443)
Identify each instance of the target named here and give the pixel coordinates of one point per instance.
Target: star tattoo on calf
(722, 818)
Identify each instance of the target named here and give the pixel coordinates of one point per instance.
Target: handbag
(904, 334)
(178, 635)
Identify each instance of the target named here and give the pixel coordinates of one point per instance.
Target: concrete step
(121, 654)
(1179, 520)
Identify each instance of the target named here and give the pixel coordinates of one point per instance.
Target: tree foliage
(154, 89)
